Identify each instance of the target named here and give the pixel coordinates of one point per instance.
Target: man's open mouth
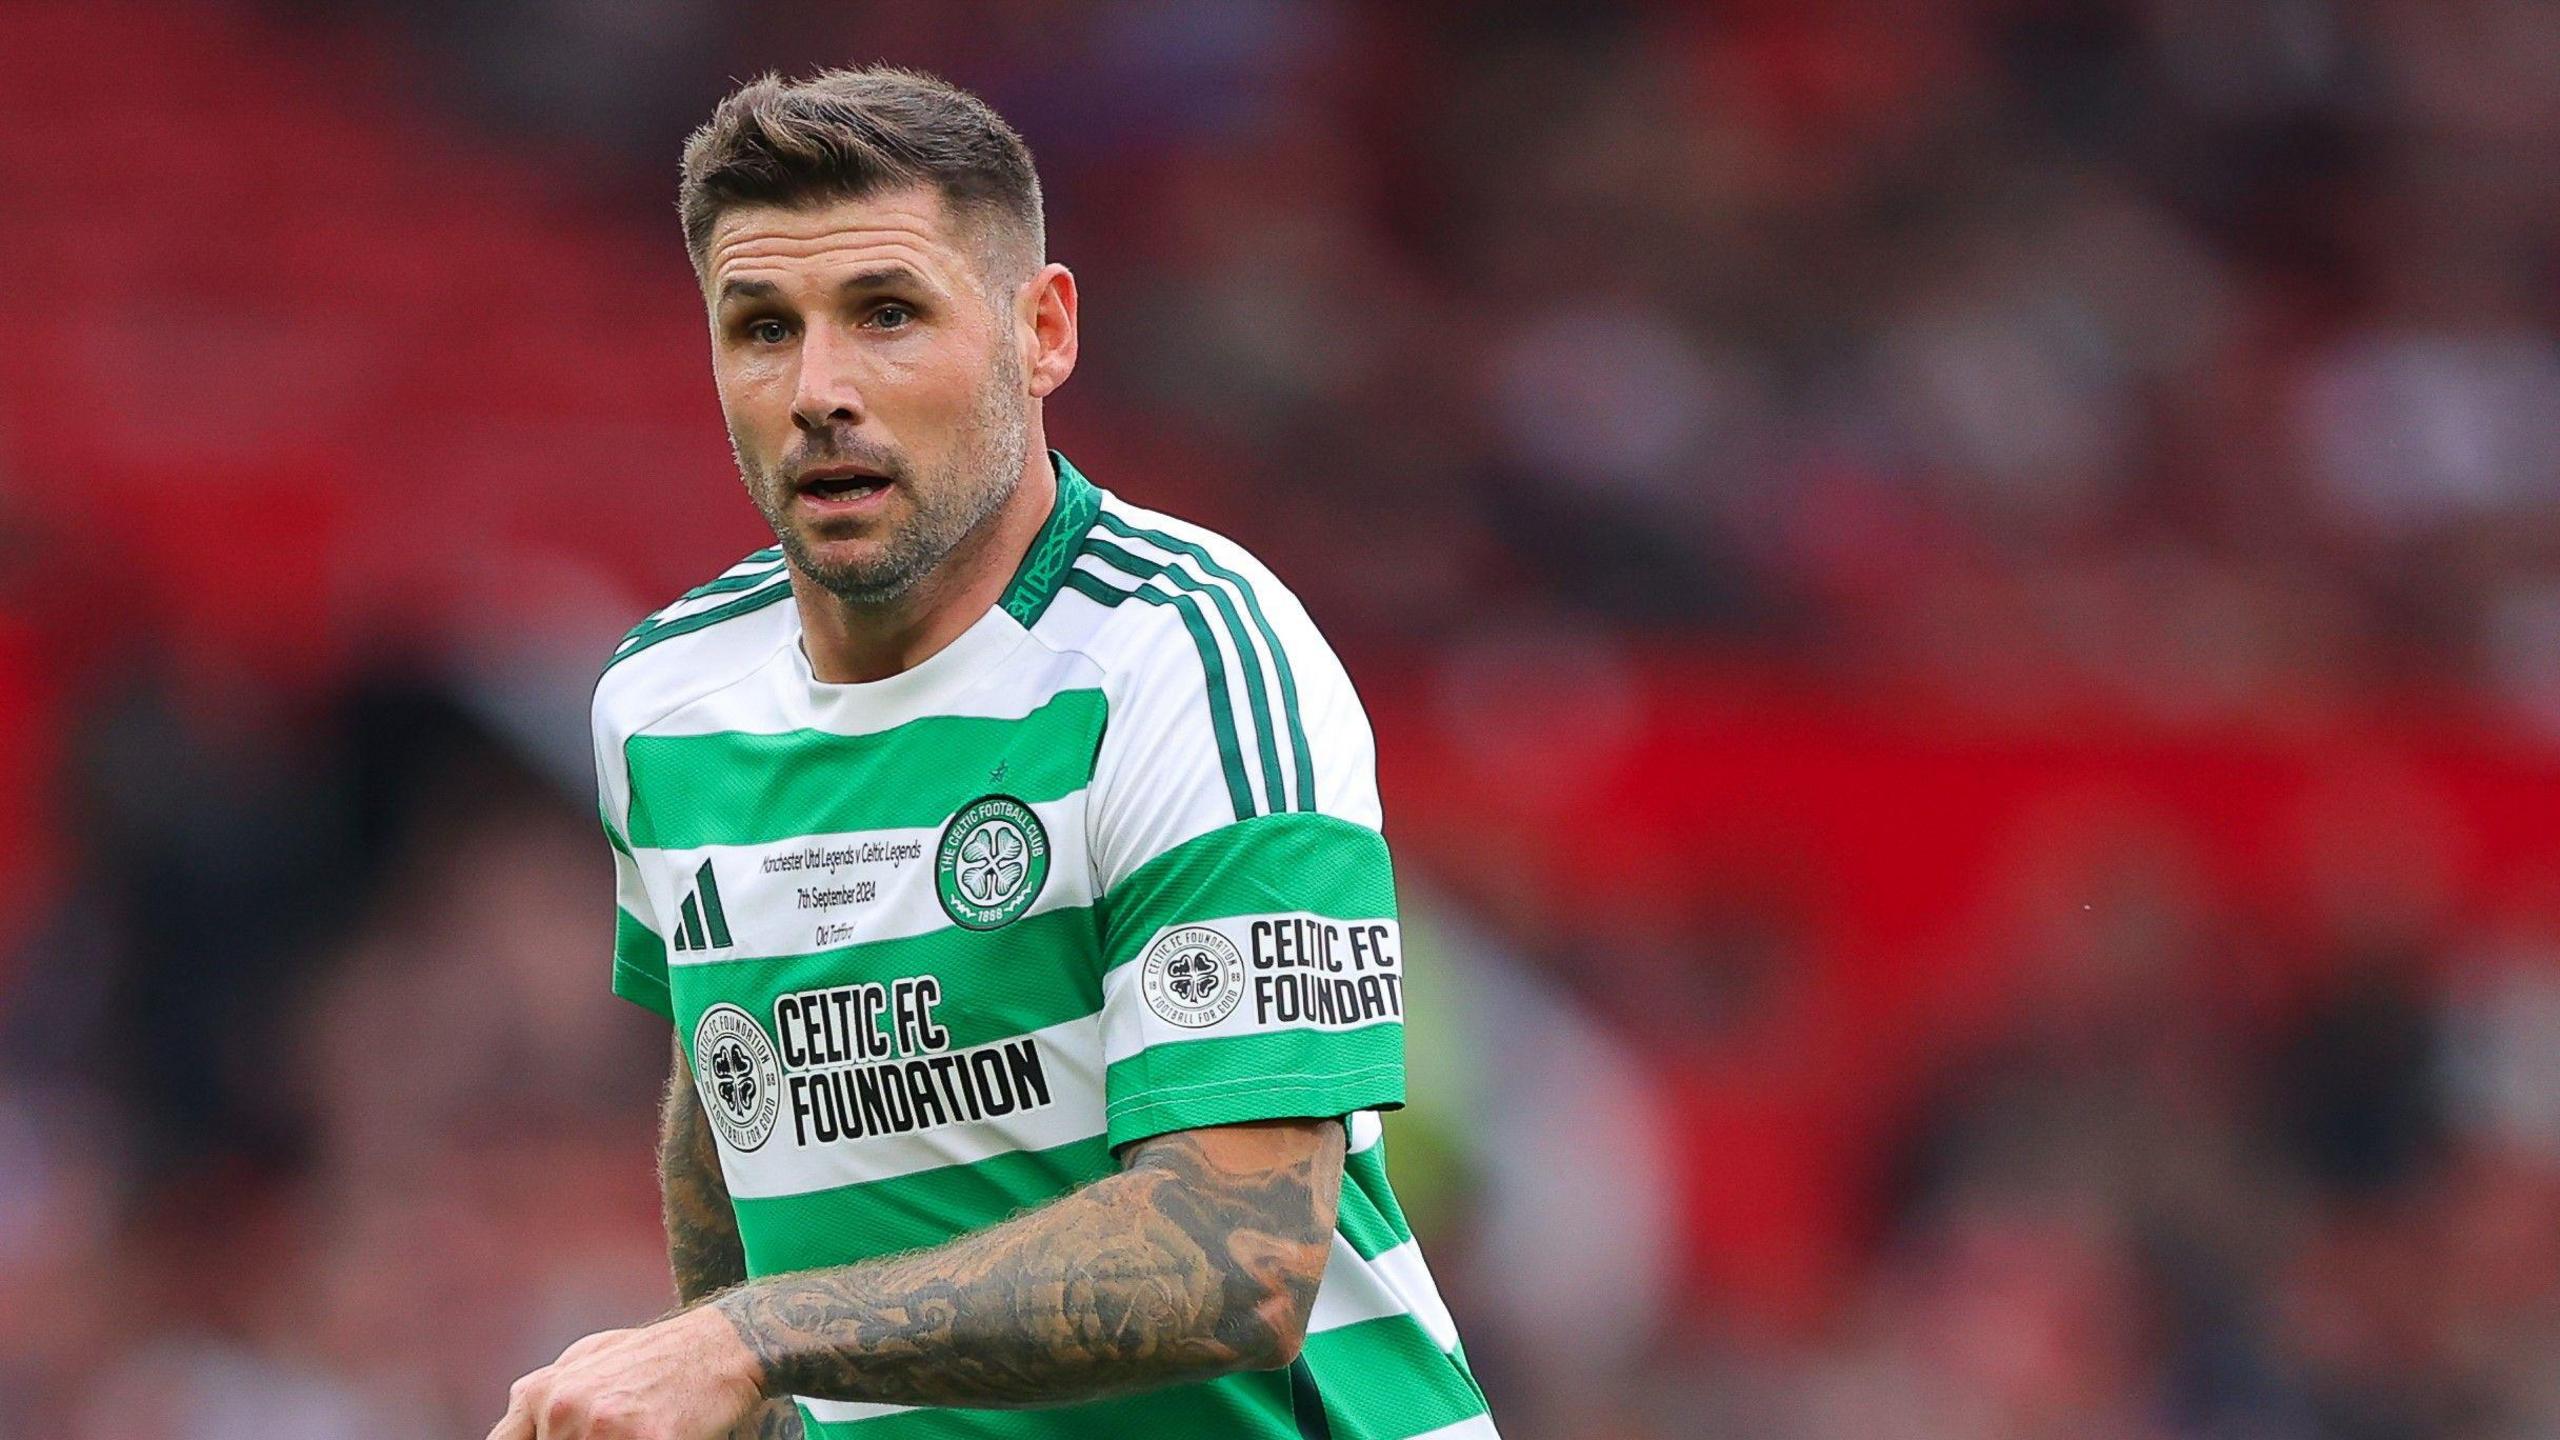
(842, 486)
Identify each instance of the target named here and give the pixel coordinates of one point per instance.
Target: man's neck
(850, 644)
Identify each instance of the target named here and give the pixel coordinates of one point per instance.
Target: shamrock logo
(1192, 977)
(993, 860)
(733, 1078)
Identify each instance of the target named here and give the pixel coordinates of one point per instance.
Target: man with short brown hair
(1007, 858)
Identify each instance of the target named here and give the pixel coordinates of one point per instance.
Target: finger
(562, 1416)
(516, 1424)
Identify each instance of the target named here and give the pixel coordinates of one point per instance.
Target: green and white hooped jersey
(1107, 866)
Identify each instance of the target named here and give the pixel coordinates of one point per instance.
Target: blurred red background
(1960, 601)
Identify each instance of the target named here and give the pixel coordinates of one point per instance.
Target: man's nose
(828, 394)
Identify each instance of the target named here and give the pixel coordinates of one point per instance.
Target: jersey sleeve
(1253, 964)
(639, 953)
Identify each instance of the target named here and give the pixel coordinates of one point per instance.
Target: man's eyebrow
(878, 277)
(882, 277)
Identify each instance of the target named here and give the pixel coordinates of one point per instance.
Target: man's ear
(1051, 300)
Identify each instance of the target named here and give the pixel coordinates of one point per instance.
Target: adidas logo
(701, 925)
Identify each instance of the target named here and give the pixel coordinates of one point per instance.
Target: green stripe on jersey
(1371, 1219)
(1270, 638)
(638, 946)
(1214, 670)
(1384, 1379)
(1278, 1075)
(756, 570)
(643, 989)
(650, 632)
(1253, 1405)
(639, 962)
(1271, 864)
(909, 1212)
(737, 788)
(1248, 656)
(767, 563)
(763, 565)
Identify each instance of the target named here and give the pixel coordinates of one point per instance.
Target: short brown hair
(842, 134)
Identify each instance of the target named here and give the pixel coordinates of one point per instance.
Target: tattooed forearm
(702, 1229)
(778, 1420)
(1199, 1258)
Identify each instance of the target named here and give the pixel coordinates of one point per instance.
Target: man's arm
(1199, 1258)
(702, 1230)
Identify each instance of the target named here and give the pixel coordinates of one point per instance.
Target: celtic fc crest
(1192, 976)
(993, 859)
(733, 1066)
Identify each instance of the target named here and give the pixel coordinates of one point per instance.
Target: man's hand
(1199, 1258)
(688, 1377)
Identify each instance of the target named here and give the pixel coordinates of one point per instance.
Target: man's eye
(768, 332)
(893, 317)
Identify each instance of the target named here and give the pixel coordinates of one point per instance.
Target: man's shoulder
(697, 642)
(1220, 686)
(1149, 592)
(1225, 703)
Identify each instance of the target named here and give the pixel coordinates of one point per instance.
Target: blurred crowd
(1962, 602)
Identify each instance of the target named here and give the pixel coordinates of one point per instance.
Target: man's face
(868, 369)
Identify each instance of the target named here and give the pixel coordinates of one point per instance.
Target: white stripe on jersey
(765, 915)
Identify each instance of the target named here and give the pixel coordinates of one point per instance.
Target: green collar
(1053, 550)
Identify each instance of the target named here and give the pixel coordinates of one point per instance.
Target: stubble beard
(948, 507)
